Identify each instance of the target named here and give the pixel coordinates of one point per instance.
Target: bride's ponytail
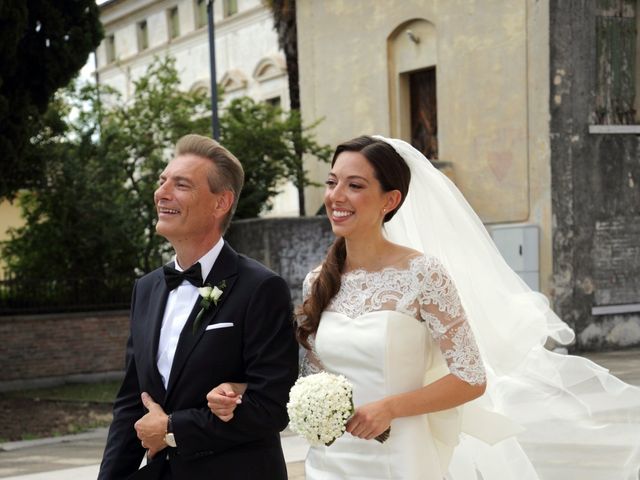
(323, 289)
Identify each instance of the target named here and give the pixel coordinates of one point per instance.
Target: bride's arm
(223, 399)
(441, 309)
(371, 419)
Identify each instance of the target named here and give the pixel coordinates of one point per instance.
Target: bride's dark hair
(393, 174)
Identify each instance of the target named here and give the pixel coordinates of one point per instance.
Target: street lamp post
(215, 123)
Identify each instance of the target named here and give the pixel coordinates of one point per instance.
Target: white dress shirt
(179, 306)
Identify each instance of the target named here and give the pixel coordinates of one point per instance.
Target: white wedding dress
(384, 331)
(398, 329)
(544, 415)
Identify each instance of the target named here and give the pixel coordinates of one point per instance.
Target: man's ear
(224, 203)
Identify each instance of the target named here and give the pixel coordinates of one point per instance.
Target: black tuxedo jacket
(258, 349)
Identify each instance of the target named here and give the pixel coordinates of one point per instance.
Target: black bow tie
(174, 278)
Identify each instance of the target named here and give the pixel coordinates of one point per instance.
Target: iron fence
(20, 295)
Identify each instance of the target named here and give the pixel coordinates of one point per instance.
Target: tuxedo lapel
(225, 269)
(157, 303)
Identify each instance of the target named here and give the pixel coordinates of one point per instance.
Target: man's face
(185, 205)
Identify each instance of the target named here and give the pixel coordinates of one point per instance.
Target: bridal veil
(559, 416)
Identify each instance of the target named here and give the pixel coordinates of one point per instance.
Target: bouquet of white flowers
(320, 406)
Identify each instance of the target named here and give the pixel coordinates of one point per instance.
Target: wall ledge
(47, 382)
(614, 129)
(615, 309)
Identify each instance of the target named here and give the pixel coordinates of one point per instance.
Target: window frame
(110, 48)
(229, 8)
(142, 31)
(173, 20)
(200, 13)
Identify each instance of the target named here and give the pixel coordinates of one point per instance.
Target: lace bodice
(422, 290)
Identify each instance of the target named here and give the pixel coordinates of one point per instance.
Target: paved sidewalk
(77, 457)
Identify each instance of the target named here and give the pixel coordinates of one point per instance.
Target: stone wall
(38, 347)
(595, 192)
(290, 247)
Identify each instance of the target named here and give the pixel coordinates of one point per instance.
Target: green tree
(78, 235)
(43, 44)
(91, 217)
(252, 131)
(143, 133)
(301, 143)
(263, 138)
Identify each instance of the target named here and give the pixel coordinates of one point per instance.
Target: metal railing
(20, 295)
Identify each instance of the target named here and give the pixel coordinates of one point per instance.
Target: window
(174, 23)
(143, 36)
(616, 49)
(274, 101)
(110, 45)
(230, 7)
(201, 13)
(424, 112)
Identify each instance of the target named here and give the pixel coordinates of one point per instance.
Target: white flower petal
(204, 291)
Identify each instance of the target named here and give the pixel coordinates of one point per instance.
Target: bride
(415, 306)
(377, 312)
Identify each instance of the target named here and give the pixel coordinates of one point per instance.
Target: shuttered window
(616, 69)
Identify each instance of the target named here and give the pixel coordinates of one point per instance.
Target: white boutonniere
(210, 295)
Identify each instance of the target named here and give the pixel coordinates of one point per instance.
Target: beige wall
(491, 60)
(9, 218)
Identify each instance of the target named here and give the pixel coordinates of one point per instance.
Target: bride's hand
(223, 400)
(370, 420)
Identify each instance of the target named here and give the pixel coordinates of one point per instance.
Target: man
(181, 344)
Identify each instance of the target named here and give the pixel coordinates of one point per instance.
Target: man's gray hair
(227, 174)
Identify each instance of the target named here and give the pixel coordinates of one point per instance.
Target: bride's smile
(354, 198)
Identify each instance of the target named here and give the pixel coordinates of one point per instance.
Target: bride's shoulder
(308, 281)
(312, 275)
(427, 262)
(402, 258)
(315, 272)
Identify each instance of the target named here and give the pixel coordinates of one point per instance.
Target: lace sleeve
(446, 319)
(309, 363)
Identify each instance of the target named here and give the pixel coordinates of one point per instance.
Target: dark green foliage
(263, 137)
(90, 216)
(78, 232)
(142, 134)
(43, 45)
(90, 223)
(252, 131)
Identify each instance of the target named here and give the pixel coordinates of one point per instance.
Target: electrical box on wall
(519, 246)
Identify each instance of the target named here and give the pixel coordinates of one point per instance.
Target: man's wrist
(169, 437)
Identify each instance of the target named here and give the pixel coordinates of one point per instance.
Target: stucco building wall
(492, 72)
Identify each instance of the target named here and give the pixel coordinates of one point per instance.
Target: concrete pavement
(77, 457)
